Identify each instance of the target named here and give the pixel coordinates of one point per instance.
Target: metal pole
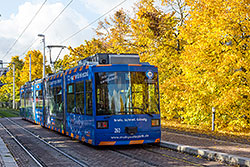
(213, 118)
(14, 85)
(50, 48)
(53, 69)
(44, 56)
(30, 67)
(43, 40)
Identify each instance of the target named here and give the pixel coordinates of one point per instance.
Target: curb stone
(212, 155)
(6, 159)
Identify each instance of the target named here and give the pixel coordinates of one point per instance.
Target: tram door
(88, 131)
(47, 95)
(38, 101)
(54, 112)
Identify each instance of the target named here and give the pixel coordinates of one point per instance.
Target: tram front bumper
(125, 139)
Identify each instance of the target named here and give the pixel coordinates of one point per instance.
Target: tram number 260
(117, 130)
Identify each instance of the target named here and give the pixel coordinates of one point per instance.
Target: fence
(9, 105)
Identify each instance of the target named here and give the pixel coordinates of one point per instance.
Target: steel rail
(15, 139)
(133, 157)
(171, 157)
(83, 164)
(158, 153)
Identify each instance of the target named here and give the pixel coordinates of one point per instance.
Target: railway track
(155, 154)
(146, 162)
(172, 157)
(20, 144)
(34, 157)
(76, 153)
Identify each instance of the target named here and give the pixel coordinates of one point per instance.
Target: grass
(5, 112)
(175, 125)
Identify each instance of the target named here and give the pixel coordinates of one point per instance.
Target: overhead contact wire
(33, 42)
(57, 16)
(92, 22)
(24, 29)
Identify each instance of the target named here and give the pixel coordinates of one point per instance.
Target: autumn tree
(36, 66)
(6, 91)
(216, 62)
(155, 36)
(114, 36)
(84, 50)
(116, 33)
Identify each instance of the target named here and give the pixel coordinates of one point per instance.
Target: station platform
(227, 150)
(6, 158)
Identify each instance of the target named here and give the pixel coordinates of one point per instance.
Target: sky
(16, 15)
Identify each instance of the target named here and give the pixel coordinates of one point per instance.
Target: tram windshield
(127, 93)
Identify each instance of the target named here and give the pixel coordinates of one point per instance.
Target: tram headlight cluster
(155, 122)
(102, 124)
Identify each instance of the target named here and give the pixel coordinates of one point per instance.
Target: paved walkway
(226, 151)
(6, 159)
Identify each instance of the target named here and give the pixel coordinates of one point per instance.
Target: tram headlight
(102, 124)
(155, 122)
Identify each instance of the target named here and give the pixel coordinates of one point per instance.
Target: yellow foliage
(36, 66)
(6, 91)
(216, 62)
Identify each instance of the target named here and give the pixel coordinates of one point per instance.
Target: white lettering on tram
(78, 76)
(108, 78)
(81, 75)
(54, 82)
(131, 120)
(130, 137)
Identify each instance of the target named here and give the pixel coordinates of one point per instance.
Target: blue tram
(107, 99)
(38, 102)
(26, 95)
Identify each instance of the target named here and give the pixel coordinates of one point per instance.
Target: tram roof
(110, 58)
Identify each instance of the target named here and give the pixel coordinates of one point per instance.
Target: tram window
(89, 109)
(138, 98)
(153, 98)
(80, 97)
(22, 100)
(54, 96)
(59, 103)
(25, 99)
(30, 99)
(145, 93)
(126, 93)
(39, 99)
(70, 98)
(50, 99)
(139, 91)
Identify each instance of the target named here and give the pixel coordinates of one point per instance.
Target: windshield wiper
(142, 111)
(148, 113)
